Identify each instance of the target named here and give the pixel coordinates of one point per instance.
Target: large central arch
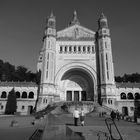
(77, 81)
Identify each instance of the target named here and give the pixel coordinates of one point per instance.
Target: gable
(76, 32)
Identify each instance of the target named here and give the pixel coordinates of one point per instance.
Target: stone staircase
(69, 106)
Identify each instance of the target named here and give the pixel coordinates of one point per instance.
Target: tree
(133, 78)
(118, 79)
(11, 105)
(21, 72)
(10, 72)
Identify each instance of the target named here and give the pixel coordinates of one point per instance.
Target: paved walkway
(60, 127)
(22, 131)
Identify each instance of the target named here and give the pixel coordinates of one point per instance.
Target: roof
(75, 33)
(18, 84)
(128, 85)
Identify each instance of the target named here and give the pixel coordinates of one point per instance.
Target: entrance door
(84, 98)
(76, 95)
(30, 109)
(124, 111)
(69, 95)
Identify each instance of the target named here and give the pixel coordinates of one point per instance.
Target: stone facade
(127, 97)
(26, 94)
(76, 63)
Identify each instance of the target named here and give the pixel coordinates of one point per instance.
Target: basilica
(76, 64)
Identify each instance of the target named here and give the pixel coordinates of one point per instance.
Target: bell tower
(47, 86)
(49, 42)
(105, 59)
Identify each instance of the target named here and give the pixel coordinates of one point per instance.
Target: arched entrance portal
(77, 85)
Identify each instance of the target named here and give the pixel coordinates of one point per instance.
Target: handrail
(108, 108)
(36, 135)
(109, 122)
(103, 135)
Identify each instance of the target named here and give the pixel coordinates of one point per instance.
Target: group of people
(115, 115)
(79, 114)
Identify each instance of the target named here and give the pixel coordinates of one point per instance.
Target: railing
(47, 109)
(107, 108)
(110, 125)
(36, 135)
(103, 136)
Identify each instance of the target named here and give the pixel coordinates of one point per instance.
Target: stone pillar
(86, 50)
(72, 49)
(63, 49)
(72, 95)
(80, 95)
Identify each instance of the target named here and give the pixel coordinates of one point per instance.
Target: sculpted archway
(77, 82)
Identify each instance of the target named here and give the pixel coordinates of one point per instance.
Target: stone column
(86, 50)
(72, 49)
(72, 95)
(63, 47)
(80, 95)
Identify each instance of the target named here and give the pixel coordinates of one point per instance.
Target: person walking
(117, 115)
(76, 115)
(113, 115)
(82, 117)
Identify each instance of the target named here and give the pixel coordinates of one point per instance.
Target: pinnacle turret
(74, 19)
(51, 22)
(102, 22)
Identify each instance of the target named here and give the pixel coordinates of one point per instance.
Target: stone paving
(60, 126)
(21, 131)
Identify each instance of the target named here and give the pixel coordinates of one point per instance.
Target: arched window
(84, 49)
(18, 94)
(70, 49)
(65, 49)
(61, 49)
(22, 107)
(74, 49)
(130, 96)
(31, 95)
(88, 49)
(108, 101)
(137, 96)
(4, 94)
(92, 49)
(2, 107)
(123, 95)
(24, 94)
(44, 100)
(79, 49)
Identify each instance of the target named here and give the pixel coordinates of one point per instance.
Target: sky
(22, 24)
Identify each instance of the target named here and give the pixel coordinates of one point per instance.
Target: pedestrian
(76, 115)
(82, 117)
(117, 115)
(113, 115)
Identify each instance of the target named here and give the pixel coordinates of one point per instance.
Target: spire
(102, 22)
(102, 16)
(51, 21)
(74, 19)
(51, 15)
(75, 16)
